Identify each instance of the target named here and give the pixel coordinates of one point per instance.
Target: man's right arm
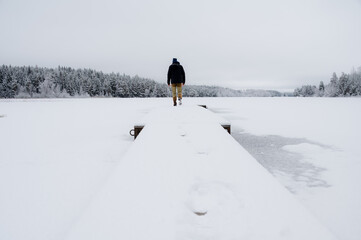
(183, 76)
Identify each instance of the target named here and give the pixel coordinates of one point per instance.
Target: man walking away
(177, 78)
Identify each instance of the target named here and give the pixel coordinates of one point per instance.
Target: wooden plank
(227, 127)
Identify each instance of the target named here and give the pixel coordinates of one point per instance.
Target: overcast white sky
(278, 44)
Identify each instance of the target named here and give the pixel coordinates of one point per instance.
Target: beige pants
(177, 88)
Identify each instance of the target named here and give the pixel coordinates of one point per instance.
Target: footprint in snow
(213, 198)
(214, 210)
(181, 132)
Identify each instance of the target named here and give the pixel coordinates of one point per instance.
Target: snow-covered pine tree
(321, 89)
(331, 89)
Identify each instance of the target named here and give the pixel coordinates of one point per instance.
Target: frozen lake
(56, 155)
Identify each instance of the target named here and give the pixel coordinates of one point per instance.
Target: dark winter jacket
(176, 74)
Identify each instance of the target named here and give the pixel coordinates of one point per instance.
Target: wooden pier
(186, 178)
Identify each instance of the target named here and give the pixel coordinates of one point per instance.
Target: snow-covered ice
(312, 146)
(58, 157)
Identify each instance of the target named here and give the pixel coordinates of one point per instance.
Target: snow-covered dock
(140, 125)
(185, 177)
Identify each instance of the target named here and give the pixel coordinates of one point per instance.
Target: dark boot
(175, 101)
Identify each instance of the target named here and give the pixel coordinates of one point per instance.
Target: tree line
(38, 82)
(344, 86)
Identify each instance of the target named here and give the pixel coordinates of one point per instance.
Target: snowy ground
(56, 155)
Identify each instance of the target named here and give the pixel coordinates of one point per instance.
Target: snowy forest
(38, 82)
(344, 86)
(61, 82)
